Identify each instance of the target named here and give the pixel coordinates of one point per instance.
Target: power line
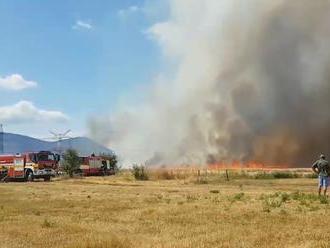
(59, 137)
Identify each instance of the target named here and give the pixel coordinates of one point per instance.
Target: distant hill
(16, 143)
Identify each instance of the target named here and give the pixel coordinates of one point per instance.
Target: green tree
(71, 161)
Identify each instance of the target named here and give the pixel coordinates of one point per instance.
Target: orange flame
(246, 165)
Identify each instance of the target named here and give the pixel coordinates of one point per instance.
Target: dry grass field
(121, 212)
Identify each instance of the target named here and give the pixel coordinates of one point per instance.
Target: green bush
(140, 172)
(311, 175)
(300, 196)
(276, 175)
(264, 176)
(284, 197)
(71, 162)
(279, 175)
(324, 200)
(273, 202)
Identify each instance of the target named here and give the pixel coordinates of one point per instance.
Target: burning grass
(122, 212)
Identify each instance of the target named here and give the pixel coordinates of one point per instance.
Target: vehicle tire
(29, 176)
(6, 179)
(47, 179)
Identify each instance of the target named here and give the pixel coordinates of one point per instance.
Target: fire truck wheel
(46, 179)
(29, 176)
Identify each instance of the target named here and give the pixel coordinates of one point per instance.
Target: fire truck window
(45, 157)
(33, 157)
(51, 157)
(42, 157)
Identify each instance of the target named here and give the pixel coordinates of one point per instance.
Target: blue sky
(64, 61)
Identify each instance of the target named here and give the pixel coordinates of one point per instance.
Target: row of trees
(72, 161)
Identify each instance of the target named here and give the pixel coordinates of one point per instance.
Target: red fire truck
(95, 166)
(29, 166)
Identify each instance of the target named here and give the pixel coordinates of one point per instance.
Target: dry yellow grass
(121, 212)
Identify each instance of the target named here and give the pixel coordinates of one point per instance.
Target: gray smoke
(252, 83)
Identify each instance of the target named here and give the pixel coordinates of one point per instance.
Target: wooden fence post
(227, 175)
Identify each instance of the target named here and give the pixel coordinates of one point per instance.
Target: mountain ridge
(18, 143)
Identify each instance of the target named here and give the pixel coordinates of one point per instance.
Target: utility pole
(1, 139)
(59, 137)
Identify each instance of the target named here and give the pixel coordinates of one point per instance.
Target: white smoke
(234, 62)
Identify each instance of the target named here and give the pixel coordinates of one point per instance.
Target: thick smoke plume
(251, 83)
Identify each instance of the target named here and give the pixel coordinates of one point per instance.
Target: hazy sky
(63, 61)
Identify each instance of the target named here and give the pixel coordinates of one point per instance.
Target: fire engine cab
(29, 166)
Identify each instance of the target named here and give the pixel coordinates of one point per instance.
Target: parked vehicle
(29, 166)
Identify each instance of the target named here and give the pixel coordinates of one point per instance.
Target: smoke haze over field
(251, 82)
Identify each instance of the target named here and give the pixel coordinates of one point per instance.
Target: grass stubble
(120, 212)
